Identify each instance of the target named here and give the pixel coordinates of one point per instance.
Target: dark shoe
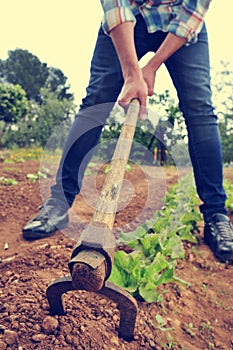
(50, 218)
(218, 234)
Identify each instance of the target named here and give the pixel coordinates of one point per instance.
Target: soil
(198, 316)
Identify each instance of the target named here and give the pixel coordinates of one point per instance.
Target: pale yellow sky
(62, 34)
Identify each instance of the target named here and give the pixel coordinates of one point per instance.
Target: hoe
(92, 258)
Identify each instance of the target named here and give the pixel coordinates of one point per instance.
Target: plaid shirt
(183, 18)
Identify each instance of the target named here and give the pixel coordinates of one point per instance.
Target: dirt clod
(10, 337)
(2, 345)
(49, 324)
(37, 338)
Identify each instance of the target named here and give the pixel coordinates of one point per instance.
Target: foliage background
(35, 100)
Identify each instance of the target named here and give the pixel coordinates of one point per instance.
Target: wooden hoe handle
(92, 258)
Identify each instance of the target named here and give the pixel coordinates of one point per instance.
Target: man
(175, 31)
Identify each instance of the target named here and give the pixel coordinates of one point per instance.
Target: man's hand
(149, 75)
(134, 84)
(134, 87)
(139, 82)
(139, 86)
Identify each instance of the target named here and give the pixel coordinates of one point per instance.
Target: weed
(190, 326)
(7, 181)
(206, 326)
(34, 177)
(205, 286)
(108, 166)
(161, 323)
(219, 304)
(151, 323)
(161, 326)
(171, 344)
(228, 308)
(11, 169)
(189, 329)
(229, 191)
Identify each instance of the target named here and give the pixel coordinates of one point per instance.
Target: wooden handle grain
(86, 274)
(107, 205)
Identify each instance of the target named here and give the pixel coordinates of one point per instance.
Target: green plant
(22, 154)
(13, 103)
(171, 344)
(190, 329)
(107, 168)
(158, 244)
(205, 286)
(34, 177)
(206, 326)
(229, 191)
(162, 323)
(7, 181)
(13, 169)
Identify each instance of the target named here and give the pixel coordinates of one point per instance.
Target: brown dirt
(199, 316)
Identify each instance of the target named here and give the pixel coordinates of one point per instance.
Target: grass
(21, 154)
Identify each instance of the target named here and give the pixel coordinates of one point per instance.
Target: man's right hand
(134, 84)
(134, 87)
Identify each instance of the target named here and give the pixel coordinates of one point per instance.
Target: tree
(170, 129)
(56, 82)
(2, 71)
(223, 96)
(25, 69)
(141, 151)
(50, 114)
(35, 101)
(42, 122)
(226, 130)
(13, 103)
(14, 106)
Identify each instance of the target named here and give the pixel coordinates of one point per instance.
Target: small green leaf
(118, 276)
(149, 294)
(132, 236)
(7, 181)
(161, 323)
(150, 244)
(173, 247)
(152, 270)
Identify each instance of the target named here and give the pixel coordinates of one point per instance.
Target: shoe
(50, 218)
(218, 234)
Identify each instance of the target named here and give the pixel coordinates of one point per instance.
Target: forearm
(169, 46)
(123, 40)
(134, 84)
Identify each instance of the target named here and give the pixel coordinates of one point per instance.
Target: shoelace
(43, 214)
(225, 230)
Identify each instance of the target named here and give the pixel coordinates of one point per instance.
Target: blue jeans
(190, 73)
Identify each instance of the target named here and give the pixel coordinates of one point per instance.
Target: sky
(63, 34)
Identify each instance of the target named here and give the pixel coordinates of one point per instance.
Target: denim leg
(190, 72)
(83, 136)
(103, 89)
